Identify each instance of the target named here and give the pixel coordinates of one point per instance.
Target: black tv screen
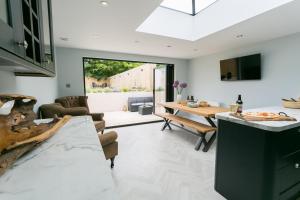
(241, 68)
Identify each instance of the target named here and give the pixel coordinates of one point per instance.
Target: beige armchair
(109, 145)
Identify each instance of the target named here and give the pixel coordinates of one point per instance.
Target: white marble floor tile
(155, 165)
(119, 118)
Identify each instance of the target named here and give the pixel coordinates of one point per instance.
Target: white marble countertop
(275, 126)
(69, 166)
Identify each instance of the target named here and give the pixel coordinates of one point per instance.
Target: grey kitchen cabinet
(26, 37)
(47, 36)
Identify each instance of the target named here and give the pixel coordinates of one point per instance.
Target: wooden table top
(210, 111)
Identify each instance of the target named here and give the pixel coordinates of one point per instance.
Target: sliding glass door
(163, 78)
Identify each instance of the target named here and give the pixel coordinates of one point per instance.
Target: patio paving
(119, 118)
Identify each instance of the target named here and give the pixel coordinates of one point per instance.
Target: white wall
(70, 67)
(43, 88)
(280, 75)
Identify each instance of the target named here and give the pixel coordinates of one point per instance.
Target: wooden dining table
(209, 112)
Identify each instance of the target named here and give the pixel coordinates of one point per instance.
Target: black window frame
(193, 2)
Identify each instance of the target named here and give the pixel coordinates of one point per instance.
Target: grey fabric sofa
(135, 102)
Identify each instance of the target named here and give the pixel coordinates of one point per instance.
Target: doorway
(127, 92)
(163, 90)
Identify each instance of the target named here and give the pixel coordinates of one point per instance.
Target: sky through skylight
(191, 7)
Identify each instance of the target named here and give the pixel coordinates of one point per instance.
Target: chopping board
(262, 116)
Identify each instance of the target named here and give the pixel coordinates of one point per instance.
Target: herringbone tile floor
(155, 165)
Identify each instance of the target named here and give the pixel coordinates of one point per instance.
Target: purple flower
(183, 85)
(175, 84)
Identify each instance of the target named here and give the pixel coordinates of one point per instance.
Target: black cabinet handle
(23, 44)
(297, 166)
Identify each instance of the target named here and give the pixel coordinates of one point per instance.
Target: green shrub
(124, 90)
(159, 89)
(107, 90)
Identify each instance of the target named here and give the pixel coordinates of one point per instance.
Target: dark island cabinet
(255, 164)
(26, 37)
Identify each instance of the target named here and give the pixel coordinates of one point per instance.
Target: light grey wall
(43, 88)
(280, 75)
(70, 67)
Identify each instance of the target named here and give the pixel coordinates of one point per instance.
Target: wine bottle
(239, 102)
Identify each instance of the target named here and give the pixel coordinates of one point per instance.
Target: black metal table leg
(200, 141)
(198, 144)
(168, 125)
(210, 142)
(164, 126)
(167, 122)
(210, 121)
(176, 112)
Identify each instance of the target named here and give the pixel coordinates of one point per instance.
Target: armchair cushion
(108, 138)
(75, 111)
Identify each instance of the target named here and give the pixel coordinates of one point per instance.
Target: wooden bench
(202, 129)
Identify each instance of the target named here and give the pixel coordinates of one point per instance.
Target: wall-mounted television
(241, 68)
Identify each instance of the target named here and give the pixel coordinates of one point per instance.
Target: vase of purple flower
(179, 88)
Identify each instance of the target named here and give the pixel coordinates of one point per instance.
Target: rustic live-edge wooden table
(202, 129)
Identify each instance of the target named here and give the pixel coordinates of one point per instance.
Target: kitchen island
(70, 165)
(258, 160)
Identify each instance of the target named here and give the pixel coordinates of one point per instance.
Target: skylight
(191, 7)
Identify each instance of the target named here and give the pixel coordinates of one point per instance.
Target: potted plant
(179, 88)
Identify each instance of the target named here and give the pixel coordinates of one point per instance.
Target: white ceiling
(113, 28)
(217, 17)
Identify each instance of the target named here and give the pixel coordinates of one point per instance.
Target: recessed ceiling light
(64, 39)
(136, 41)
(104, 3)
(195, 49)
(240, 36)
(169, 46)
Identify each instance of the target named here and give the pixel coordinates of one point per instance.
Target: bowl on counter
(203, 104)
(291, 104)
(192, 104)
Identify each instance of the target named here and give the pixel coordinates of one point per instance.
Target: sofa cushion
(75, 111)
(64, 102)
(72, 101)
(148, 99)
(50, 110)
(149, 103)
